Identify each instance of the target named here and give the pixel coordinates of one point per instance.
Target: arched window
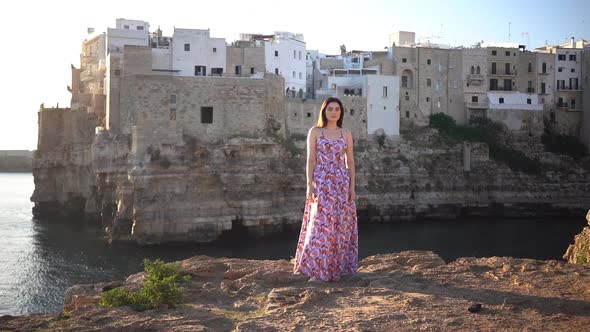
(472, 70)
(478, 70)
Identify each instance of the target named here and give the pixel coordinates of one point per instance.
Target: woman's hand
(351, 195)
(310, 190)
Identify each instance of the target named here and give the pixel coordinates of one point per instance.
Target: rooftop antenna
(509, 30)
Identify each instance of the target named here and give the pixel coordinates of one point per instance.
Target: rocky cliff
(16, 161)
(407, 291)
(579, 251)
(193, 190)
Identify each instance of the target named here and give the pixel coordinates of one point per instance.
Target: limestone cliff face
(193, 190)
(62, 165)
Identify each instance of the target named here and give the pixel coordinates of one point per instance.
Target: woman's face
(333, 111)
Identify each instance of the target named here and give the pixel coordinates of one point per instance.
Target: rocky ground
(412, 290)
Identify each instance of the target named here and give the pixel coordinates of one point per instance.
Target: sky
(42, 38)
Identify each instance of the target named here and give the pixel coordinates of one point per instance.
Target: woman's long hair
(323, 120)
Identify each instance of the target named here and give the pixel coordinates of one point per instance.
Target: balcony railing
(475, 77)
(478, 105)
(530, 90)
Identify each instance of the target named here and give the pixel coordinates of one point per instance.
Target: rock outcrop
(579, 252)
(407, 291)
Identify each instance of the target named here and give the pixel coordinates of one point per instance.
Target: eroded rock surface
(407, 291)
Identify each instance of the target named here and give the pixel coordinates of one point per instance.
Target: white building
(127, 32)
(382, 94)
(285, 55)
(195, 53)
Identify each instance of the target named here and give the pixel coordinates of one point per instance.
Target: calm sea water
(39, 259)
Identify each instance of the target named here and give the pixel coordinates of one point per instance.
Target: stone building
(585, 132)
(567, 115)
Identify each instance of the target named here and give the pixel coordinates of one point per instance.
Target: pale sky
(42, 38)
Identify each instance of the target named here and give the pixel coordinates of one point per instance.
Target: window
(572, 58)
(544, 68)
(530, 67)
(187, 47)
(276, 71)
(126, 27)
(507, 85)
(507, 69)
(294, 73)
(472, 70)
(140, 28)
(216, 71)
(299, 55)
(427, 99)
(308, 115)
(117, 72)
(407, 98)
(404, 81)
(200, 71)
(428, 62)
(529, 101)
(173, 114)
(407, 114)
(501, 100)
(561, 57)
(494, 53)
(385, 91)
(543, 88)
(214, 49)
(252, 70)
(573, 84)
(172, 99)
(404, 60)
(493, 68)
(437, 87)
(478, 70)
(294, 54)
(507, 53)
(474, 99)
(351, 111)
(572, 104)
(560, 69)
(560, 84)
(276, 53)
(206, 114)
(238, 70)
(428, 82)
(573, 70)
(493, 84)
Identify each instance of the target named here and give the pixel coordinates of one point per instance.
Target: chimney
(573, 42)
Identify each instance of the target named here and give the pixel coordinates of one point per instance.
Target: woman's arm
(350, 164)
(311, 160)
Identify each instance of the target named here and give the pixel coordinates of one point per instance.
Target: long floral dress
(328, 242)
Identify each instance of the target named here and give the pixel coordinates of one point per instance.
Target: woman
(328, 243)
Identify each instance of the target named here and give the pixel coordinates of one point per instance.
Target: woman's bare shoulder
(314, 129)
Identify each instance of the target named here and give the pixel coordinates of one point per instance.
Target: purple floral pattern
(328, 242)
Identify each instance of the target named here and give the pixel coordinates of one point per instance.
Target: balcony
(478, 105)
(544, 73)
(504, 74)
(475, 77)
(530, 90)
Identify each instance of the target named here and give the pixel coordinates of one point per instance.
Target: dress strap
(322, 130)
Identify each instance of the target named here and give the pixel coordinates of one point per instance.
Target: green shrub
(160, 287)
(486, 131)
